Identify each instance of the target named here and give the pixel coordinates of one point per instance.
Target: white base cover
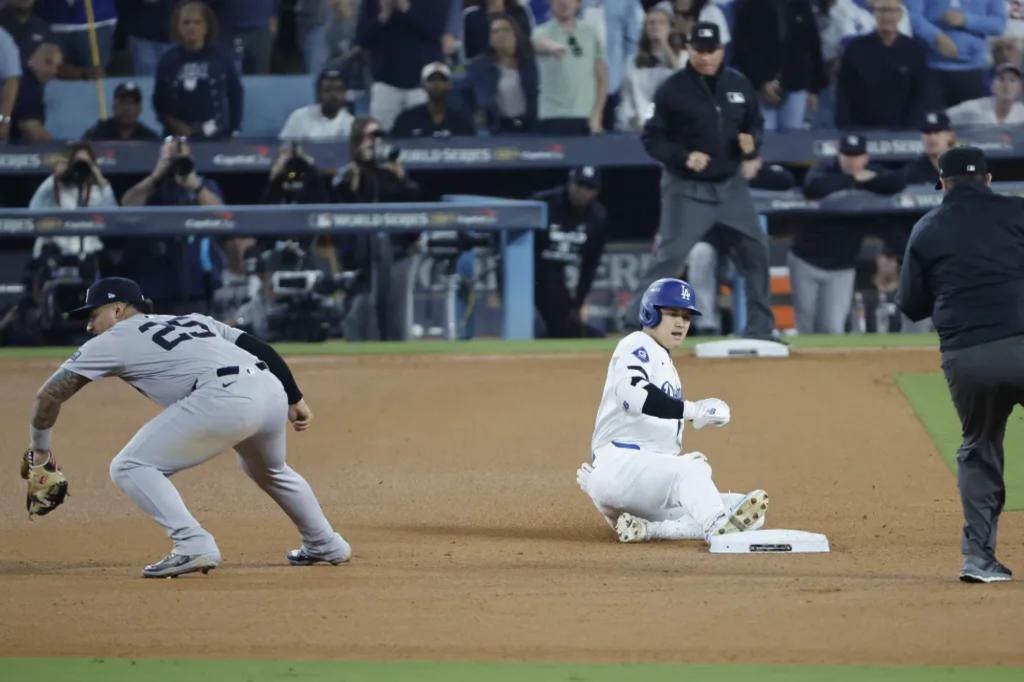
(775, 541)
(742, 348)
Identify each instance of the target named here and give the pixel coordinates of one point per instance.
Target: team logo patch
(735, 97)
(625, 405)
(672, 391)
(642, 354)
(77, 354)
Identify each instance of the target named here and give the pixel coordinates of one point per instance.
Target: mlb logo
(110, 295)
(853, 140)
(735, 97)
(970, 168)
(932, 118)
(706, 33)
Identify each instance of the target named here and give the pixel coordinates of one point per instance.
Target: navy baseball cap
(110, 290)
(128, 89)
(586, 176)
(935, 122)
(706, 37)
(961, 161)
(853, 145)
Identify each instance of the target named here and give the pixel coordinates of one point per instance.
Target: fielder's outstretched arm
(56, 391)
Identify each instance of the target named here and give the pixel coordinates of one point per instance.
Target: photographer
(76, 182)
(294, 179)
(378, 300)
(179, 274)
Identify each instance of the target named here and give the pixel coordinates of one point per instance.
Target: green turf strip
(929, 396)
(119, 670)
(493, 346)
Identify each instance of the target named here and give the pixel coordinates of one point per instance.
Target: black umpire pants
(985, 382)
(689, 209)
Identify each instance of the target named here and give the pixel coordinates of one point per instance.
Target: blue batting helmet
(666, 293)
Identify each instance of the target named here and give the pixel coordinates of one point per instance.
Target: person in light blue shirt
(955, 33)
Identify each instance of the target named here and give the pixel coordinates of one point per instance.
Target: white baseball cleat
(746, 515)
(631, 528)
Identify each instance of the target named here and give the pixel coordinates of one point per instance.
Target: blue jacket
(197, 87)
(479, 89)
(983, 18)
(60, 12)
(409, 41)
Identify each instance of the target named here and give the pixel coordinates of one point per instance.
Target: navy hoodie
(197, 87)
(400, 48)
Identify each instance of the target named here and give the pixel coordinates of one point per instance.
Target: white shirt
(982, 112)
(309, 123)
(638, 88)
(63, 195)
(638, 356)
(162, 356)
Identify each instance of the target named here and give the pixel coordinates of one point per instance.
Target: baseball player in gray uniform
(221, 388)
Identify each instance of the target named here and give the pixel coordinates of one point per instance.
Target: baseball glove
(47, 486)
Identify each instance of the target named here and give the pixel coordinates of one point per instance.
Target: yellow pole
(94, 47)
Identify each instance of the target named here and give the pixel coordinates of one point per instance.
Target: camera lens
(183, 166)
(78, 172)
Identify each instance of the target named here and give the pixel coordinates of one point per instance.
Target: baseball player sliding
(221, 388)
(640, 480)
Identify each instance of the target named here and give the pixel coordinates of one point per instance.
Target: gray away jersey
(160, 355)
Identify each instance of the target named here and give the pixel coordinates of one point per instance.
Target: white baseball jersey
(638, 360)
(162, 356)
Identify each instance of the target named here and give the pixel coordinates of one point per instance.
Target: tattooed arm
(58, 389)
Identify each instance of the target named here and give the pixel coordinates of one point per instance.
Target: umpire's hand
(697, 161)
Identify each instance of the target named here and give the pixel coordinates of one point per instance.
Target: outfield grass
(929, 396)
(121, 670)
(496, 346)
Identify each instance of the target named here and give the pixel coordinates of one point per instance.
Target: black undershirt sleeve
(660, 405)
(275, 363)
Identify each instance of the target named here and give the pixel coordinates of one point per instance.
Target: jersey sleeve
(96, 358)
(222, 330)
(632, 362)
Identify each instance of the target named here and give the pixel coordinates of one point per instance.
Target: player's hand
(300, 415)
(708, 411)
(697, 161)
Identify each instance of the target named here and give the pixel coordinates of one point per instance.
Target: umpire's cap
(110, 290)
(961, 161)
(706, 37)
(666, 293)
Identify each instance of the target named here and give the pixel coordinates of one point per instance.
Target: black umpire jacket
(964, 266)
(704, 114)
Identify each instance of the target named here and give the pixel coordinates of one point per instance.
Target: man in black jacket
(706, 123)
(822, 260)
(964, 266)
(937, 137)
(576, 235)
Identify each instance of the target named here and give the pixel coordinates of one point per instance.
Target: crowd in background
(437, 68)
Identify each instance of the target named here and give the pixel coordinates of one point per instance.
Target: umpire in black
(964, 266)
(706, 123)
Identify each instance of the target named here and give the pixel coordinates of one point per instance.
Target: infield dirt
(454, 479)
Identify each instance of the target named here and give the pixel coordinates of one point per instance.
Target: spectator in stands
(324, 29)
(147, 25)
(10, 75)
(341, 29)
(777, 47)
(955, 39)
(377, 302)
(402, 37)
(239, 293)
(70, 28)
(573, 73)
(76, 182)
(451, 38)
(247, 29)
(435, 118)
(655, 60)
(838, 22)
(1004, 50)
(687, 13)
(197, 92)
(327, 119)
(710, 263)
(25, 26)
(499, 92)
(477, 23)
(576, 236)
(179, 273)
(1002, 108)
(622, 28)
(822, 261)
(28, 120)
(124, 125)
(294, 179)
(937, 137)
(880, 82)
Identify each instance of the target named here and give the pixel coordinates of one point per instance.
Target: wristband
(40, 438)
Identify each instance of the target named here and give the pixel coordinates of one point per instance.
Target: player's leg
(677, 524)
(182, 436)
(262, 457)
(805, 283)
(749, 251)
